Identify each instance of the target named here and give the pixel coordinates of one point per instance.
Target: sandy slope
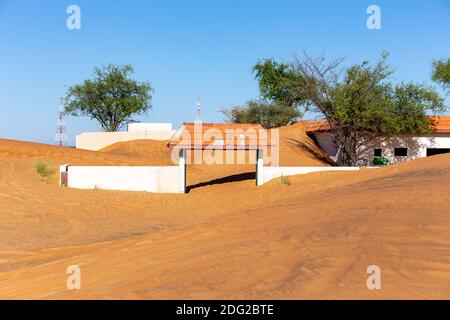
(226, 239)
(297, 149)
(37, 214)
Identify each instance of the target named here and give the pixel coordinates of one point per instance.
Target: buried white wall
(417, 147)
(154, 127)
(95, 141)
(148, 179)
(326, 142)
(270, 173)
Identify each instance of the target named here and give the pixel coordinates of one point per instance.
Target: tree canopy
(278, 82)
(268, 114)
(279, 103)
(365, 107)
(111, 97)
(360, 102)
(441, 73)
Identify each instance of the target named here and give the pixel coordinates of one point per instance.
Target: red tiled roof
(316, 125)
(441, 124)
(220, 136)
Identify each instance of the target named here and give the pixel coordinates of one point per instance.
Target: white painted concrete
(182, 171)
(153, 127)
(271, 173)
(170, 179)
(95, 141)
(326, 141)
(417, 148)
(259, 167)
(63, 170)
(148, 179)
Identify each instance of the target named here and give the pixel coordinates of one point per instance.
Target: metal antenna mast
(61, 129)
(198, 118)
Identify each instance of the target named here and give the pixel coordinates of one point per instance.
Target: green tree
(111, 97)
(361, 104)
(441, 73)
(278, 82)
(268, 114)
(366, 108)
(279, 103)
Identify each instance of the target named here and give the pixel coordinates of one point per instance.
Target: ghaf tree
(111, 97)
(361, 104)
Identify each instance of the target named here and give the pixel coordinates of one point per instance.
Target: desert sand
(226, 238)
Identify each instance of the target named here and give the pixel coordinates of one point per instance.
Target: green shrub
(43, 169)
(284, 181)
(268, 114)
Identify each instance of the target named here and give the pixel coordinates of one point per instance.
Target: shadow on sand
(227, 179)
(308, 149)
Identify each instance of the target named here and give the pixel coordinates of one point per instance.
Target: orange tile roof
(316, 125)
(220, 136)
(441, 124)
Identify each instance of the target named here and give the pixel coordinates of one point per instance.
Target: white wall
(95, 141)
(160, 179)
(270, 173)
(417, 148)
(132, 127)
(326, 142)
(148, 179)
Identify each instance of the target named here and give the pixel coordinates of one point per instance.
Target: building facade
(95, 141)
(395, 149)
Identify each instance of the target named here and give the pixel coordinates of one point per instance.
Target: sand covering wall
(226, 238)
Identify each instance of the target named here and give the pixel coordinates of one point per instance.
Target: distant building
(396, 149)
(95, 141)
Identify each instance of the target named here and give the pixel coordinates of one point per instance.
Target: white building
(397, 149)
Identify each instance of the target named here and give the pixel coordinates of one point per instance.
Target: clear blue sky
(186, 48)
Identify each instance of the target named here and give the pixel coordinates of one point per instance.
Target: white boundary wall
(417, 146)
(151, 127)
(270, 173)
(148, 179)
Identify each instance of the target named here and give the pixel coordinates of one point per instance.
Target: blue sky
(189, 48)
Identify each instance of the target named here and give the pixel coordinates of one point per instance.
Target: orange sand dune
(295, 149)
(154, 152)
(11, 149)
(227, 238)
